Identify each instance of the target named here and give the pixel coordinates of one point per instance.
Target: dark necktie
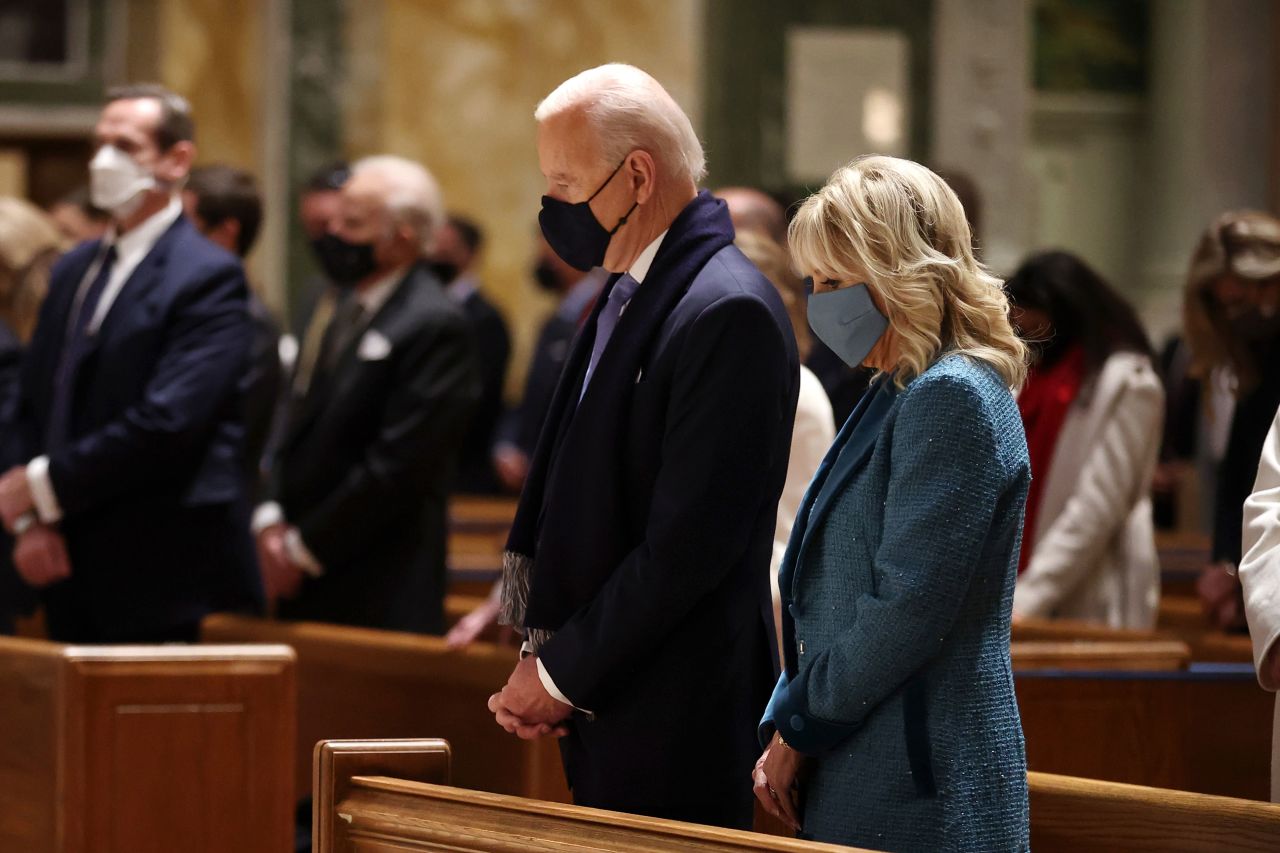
(74, 348)
(623, 289)
(346, 322)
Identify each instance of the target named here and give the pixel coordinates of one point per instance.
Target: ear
(175, 164)
(642, 172)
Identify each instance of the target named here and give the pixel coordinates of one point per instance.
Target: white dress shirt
(269, 514)
(131, 249)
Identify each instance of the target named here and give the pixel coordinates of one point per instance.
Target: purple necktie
(623, 289)
(74, 347)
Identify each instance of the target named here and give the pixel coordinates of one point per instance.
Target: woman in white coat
(1093, 409)
(1260, 577)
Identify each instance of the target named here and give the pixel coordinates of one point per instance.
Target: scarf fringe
(517, 577)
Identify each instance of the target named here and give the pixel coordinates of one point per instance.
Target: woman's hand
(776, 778)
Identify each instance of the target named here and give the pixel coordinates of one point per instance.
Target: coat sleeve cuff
(792, 719)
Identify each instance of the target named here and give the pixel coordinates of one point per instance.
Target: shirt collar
(373, 297)
(142, 238)
(640, 266)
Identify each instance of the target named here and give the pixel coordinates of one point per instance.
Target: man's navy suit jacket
(151, 482)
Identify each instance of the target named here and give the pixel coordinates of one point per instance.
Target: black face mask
(573, 231)
(545, 276)
(444, 270)
(344, 263)
(1254, 328)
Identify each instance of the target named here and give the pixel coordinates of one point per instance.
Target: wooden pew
(1182, 616)
(1206, 730)
(1182, 555)
(1093, 655)
(366, 799)
(128, 749)
(1180, 621)
(363, 683)
(1071, 814)
(385, 796)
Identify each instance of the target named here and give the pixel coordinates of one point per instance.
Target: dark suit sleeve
(731, 408)
(262, 382)
(422, 428)
(199, 365)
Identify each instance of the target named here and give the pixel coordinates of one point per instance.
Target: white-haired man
(381, 397)
(638, 564)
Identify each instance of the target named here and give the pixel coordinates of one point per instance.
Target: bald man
(751, 209)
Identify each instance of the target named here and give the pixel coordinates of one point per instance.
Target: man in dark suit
(356, 531)
(457, 256)
(638, 562)
(131, 513)
(225, 205)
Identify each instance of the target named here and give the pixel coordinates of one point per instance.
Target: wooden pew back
(1207, 730)
(358, 683)
(1137, 655)
(1069, 814)
(145, 748)
(390, 796)
(413, 809)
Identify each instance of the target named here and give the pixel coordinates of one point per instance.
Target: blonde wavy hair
(29, 246)
(899, 227)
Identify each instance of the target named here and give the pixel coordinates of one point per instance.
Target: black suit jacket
(152, 482)
(262, 384)
(493, 349)
(649, 515)
(366, 464)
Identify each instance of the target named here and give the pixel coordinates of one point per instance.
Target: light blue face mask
(847, 321)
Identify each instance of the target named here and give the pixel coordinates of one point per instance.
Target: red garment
(1044, 403)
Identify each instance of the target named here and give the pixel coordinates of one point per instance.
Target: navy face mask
(847, 321)
(573, 231)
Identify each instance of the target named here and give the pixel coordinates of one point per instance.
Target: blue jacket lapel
(848, 453)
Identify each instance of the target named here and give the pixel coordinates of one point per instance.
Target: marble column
(981, 114)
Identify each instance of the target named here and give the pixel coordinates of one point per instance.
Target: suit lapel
(850, 451)
(325, 385)
(144, 281)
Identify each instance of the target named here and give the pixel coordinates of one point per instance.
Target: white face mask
(117, 182)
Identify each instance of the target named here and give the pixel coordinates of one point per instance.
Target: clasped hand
(776, 781)
(524, 707)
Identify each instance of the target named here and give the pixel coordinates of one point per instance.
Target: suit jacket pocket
(915, 718)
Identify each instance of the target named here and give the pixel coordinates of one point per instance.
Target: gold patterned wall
(454, 84)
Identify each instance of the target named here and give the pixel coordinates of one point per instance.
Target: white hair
(630, 110)
(411, 194)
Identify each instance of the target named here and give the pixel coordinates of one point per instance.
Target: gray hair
(630, 110)
(411, 194)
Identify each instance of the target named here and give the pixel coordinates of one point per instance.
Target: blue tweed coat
(897, 589)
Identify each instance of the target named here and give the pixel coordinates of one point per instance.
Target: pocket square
(374, 346)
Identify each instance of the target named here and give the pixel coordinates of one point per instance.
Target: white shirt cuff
(526, 649)
(301, 554)
(42, 495)
(266, 515)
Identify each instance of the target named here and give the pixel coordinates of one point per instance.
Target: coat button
(794, 610)
(797, 722)
(800, 647)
